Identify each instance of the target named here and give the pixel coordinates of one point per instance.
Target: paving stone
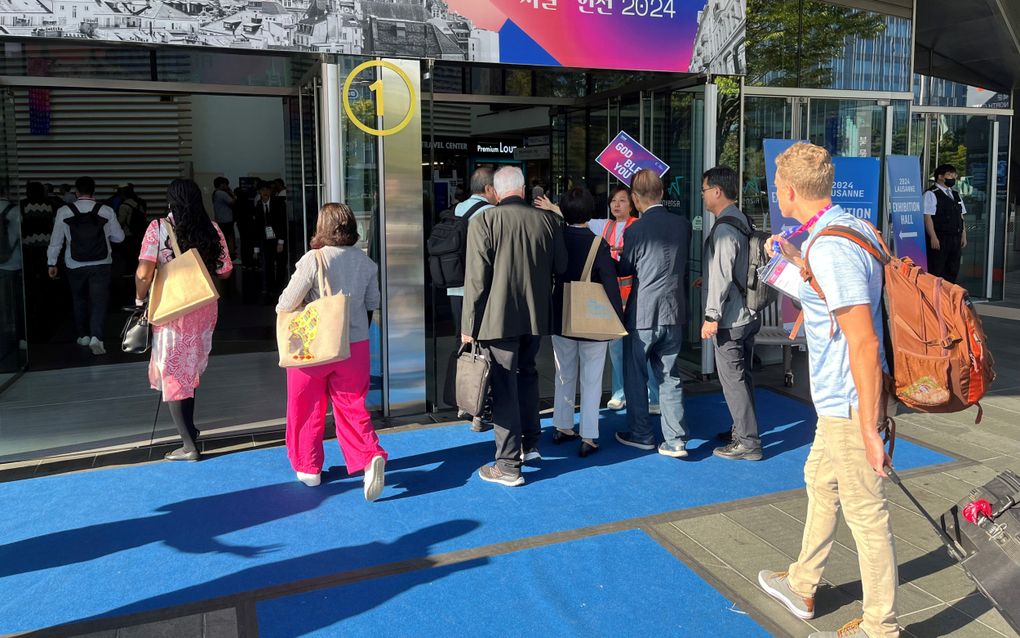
(111, 633)
(184, 627)
(977, 606)
(944, 620)
(221, 623)
(974, 475)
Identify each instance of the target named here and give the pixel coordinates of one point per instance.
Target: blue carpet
(587, 587)
(137, 538)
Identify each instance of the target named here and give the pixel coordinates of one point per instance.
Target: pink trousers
(308, 392)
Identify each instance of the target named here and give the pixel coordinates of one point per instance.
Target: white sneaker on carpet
(375, 478)
(311, 480)
(84, 341)
(96, 346)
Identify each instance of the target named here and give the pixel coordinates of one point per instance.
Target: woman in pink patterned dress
(180, 349)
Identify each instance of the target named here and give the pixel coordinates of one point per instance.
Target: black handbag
(136, 337)
(473, 368)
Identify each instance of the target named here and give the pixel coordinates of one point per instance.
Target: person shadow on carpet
(191, 526)
(401, 565)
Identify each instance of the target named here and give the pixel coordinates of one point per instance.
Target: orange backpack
(940, 359)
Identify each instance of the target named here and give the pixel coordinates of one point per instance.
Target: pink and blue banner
(648, 35)
(624, 157)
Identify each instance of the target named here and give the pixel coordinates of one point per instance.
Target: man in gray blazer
(655, 254)
(513, 251)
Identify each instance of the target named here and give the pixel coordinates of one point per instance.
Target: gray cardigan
(349, 271)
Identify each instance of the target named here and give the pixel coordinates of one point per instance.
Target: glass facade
(808, 64)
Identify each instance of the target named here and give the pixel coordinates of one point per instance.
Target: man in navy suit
(655, 254)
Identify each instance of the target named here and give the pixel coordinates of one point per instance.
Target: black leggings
(183, 414)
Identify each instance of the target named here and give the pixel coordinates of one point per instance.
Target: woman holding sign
(580, 357)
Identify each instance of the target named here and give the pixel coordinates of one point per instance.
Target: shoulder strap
(173, 238)
(590, 262)
(10, 206)
(882, 253)
(324, 287)
(474, 209)
(96, 207)
(74, 208)
(729, 221)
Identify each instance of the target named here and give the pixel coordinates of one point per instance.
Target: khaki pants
(837, 474)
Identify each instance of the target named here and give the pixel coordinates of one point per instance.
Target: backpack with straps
(757, 294)
(447, 247)
(940, 360)
(8, 243)
(88, 234)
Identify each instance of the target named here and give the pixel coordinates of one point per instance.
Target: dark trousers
(514, 386)
(945, 262)
(90, 294)
(734, 353)
(654, 349)
(274, 267)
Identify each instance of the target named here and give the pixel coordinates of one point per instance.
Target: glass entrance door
(977, 145)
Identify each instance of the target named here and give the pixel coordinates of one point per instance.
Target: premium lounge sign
(652, 35)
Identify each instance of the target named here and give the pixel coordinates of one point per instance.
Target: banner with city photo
(645, 35)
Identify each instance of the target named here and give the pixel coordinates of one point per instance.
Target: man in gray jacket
(727, 319)
(655, 254)
(513, 251)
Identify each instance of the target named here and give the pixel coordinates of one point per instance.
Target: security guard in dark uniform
(943, 224)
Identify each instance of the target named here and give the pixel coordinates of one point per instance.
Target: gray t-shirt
(223, 207)
(350, 272)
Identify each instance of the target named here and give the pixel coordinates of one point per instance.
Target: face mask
(950, 183)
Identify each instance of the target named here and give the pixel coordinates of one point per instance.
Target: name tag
(270, 235)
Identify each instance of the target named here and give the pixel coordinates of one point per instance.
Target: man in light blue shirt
(483, 196)
(847, 461)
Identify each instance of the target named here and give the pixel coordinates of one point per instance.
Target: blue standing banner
(905, 192)
(773, 149)
(856, 186)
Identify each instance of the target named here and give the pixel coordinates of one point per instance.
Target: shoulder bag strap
(324, 288)
(881, 254)
(73, 208)
(590, 263)
(474, 209)
(173, 238)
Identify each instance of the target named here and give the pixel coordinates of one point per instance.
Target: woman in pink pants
(345, 383)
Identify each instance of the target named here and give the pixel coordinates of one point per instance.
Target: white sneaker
(654, 410)
(96, 346)
(84, 341)
(616, 404)
(311, 480)
(375, 478)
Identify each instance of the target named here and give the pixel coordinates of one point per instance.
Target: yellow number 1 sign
(377, 89)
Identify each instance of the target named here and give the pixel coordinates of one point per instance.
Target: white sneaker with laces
(311, 480)
(96, 346)
(84, 341)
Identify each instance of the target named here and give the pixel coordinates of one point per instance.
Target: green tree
(794, 42)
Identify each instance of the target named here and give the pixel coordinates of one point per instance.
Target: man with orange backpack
(845, 466)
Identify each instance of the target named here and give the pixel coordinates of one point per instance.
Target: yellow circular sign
(407, 82)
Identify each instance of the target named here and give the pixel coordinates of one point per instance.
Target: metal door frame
(928, 114)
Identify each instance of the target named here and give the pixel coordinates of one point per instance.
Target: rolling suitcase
(982, 533)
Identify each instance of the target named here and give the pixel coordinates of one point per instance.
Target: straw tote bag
(181, 286)
(587, 312)
(317, 333)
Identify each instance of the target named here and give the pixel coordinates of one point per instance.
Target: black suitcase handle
(941, 533)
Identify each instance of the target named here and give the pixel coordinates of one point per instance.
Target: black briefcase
(473, 367)
(982, 532)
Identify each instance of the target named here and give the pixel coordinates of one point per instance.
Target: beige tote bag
(181, 286)
(318, 333)
(587, 313)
